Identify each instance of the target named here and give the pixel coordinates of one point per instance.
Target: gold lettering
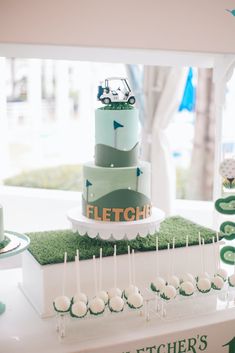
(140, 214)
(89, 209)
(96, 214)
(117, 212)
(106, 214)
(126, 214)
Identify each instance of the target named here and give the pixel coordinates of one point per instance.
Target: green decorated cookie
(228, 230)
(227, 255)
(226, 205)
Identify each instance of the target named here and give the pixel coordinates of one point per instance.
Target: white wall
(182, 25)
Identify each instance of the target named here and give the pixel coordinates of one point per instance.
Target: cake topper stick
(95, 274)
(129, 264)
(100, 270)
(133, 266)
(64, 273)
(115, 265)
(157, 258)
(116, 125)
(77, 263)
(138, 174)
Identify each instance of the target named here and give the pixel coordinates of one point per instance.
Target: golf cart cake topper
(115, 90)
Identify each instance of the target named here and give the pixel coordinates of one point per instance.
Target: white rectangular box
(41, 284)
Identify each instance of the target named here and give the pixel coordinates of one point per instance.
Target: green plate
(226, 205)
(228, 230)
(227, 255)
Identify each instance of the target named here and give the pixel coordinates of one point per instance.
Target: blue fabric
(189, 96)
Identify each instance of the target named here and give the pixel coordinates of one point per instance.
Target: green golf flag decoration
(116, 125)
(231, 345)
(138, 173)
(88, 184)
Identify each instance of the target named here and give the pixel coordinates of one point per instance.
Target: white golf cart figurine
(115, 90)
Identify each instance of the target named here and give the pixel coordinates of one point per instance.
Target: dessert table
(22, 330)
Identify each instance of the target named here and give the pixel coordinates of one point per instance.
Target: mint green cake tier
(127, 136)
(116, 194)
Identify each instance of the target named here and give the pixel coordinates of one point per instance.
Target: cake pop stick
(129, 265)
(214, 255)
(157, 258)
(62, 303)
(135, 299)
(95, 275)
(187, 276)
(64, 273)
(78, 282)
(131, 289)
(133, 266)
(173, 256)
(169, 262)
(115, 266)
(100, 271)
(116, 303)
(173, 279)
(102, 293)
(203, 256)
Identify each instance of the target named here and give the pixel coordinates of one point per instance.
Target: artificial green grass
(64, 177)
(49, 247)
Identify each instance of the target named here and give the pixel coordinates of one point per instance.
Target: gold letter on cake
(140, 214)
(89, 209)
(106, 214)
(96, 214)
(117, 212)
(126, 214)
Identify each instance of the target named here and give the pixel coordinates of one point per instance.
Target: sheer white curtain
(163, 90)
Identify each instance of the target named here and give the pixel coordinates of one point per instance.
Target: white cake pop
(130, 290)
(187, 288)
(80, 297)
(204, 285)
(135, 301)
(174, 281)
(116, 304)
(217, 283)
(104, 296)
(188, 277)
(222, 273)
(202, 276)
(114, 292)
(158, 284)
(62, 304)
(96, 306)
(78, 309)
(231, 280)
(168, 292)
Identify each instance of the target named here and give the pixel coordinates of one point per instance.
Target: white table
(23, 331)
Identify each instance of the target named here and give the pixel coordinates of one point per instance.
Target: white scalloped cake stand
(115, 230)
